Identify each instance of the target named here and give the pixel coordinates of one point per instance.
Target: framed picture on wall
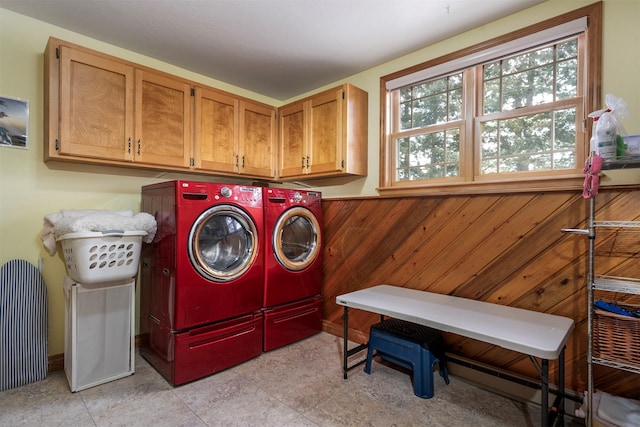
(14, 122)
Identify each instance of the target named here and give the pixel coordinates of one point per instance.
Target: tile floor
(298, 385)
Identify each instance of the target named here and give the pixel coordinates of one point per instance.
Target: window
(430, 116)
(525, 125)
(511, 116)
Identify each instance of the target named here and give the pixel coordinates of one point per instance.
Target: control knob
(226, 192)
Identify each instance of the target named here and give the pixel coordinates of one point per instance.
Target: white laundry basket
(99, 257)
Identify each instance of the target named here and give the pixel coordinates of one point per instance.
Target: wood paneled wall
(504, 249)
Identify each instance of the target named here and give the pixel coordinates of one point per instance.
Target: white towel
(67, 221)
(619, 411)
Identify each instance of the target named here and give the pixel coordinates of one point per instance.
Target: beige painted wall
(30, 189)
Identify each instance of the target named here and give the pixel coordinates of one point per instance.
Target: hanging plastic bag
(609, 129)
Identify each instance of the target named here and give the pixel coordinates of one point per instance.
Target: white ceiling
(277, 48)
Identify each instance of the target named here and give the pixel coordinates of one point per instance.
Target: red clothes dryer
(293, 266)
(202, 278)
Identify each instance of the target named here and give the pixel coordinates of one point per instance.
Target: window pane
(405, 94)
(430, 103)
(491, 96)
(436, 171)
(533, 78)
(405, 115)
(455, 105)
(490, 140)
(430, 111)
(528, 60)
(431, 149)
(567, 80)
(543, 141)
(452, 171)
(568, 49)
(564, 160)
(453, 146)
(525, 163)
(528, 88)
(488, 166)
(430, 88)
(455, 81)
(565, 129)
(430, 155)
(403, 152)
(492, 70)
(528, 134)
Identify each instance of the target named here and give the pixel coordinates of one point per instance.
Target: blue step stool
(411, 346)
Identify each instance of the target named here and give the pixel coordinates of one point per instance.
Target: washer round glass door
(296, 239)
(223, 243)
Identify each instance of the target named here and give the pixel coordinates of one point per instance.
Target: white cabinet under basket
(99, 332)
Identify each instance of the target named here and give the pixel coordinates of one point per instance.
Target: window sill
(573, 182)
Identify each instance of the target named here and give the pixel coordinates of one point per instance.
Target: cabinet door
(293, 157)
(326, 132)
(216, 128)
(257, 139)
(96, 106)
(163, 120)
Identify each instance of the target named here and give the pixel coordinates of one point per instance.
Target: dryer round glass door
(296, 239)
(223, 243)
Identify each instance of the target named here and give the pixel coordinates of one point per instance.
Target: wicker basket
(99, 257)
(615, 337)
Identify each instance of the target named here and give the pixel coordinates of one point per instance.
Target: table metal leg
(560, 398)
(345, 341)
(544, 405)
(549, 415)
(556, 412)
(346, 352)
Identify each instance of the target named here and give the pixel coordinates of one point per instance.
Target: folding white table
(535, 334)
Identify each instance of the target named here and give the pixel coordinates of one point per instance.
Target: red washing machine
(293, 266)
(202, 278)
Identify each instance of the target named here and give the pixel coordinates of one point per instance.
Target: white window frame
(587, 20)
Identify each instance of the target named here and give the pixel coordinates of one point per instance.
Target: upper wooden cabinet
(216, 130)
(163, 120)
(292, 139)
(104, 110)
(234, 135)
(257, 139)
(91, 106)
(108, 110)
(324, 135)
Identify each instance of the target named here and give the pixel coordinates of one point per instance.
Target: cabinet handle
(236, 160)
(302, 162)
(129, 146)
(242, 162)
(138, 147)
(307, 162)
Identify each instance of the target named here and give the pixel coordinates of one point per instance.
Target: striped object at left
(23, 324)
